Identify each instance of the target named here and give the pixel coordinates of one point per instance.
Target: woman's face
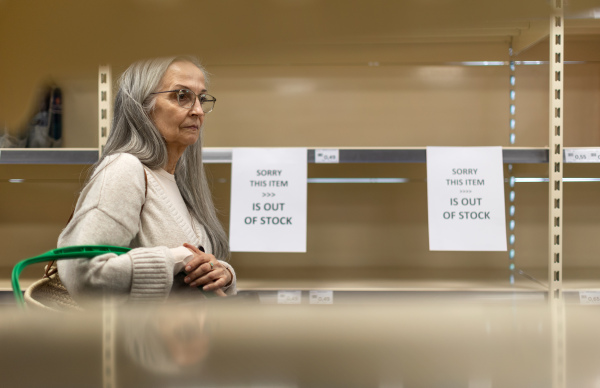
(180, 127)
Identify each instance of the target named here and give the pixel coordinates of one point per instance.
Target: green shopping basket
(82, 251)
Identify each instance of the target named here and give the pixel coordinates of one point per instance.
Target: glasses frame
(198, 96)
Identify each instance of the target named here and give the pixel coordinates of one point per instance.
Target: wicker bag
(49, 293)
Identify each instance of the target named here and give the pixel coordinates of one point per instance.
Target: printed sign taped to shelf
(268, 200)
(465, 195)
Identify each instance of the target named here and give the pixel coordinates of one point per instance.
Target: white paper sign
(582, 155)
(327, 156)
(268, 200)
(465, 194)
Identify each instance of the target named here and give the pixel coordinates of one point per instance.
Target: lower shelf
(483, 280)
(533, 280)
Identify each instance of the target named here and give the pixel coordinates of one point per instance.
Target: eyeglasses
(186, 99)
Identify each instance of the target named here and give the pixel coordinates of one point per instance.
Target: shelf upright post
(555, 183)
(556, 131)
(104, 105)
(511, 180)
(108, 343)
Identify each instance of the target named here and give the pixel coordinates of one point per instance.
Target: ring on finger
(211, 265)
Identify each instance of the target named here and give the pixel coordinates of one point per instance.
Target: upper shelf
(419, 155)
(223, 155)
(48, 155)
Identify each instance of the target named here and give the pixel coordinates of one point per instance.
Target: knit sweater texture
(109, 212)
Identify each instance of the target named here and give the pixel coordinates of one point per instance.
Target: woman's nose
(196, 109)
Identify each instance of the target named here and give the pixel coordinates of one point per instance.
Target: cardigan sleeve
(108, 213)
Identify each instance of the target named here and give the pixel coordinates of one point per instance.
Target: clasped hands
(205, 271)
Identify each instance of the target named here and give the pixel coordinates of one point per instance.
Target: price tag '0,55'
(589, 155)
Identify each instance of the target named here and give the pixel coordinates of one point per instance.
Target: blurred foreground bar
(410, 340)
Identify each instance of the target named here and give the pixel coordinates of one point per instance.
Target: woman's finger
(193, 248)
(220, 292)
(198, 254)
(211, 280)
(198, 272)
(198, 259)
(214, 285)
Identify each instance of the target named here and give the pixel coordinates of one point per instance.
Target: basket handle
(86, 251)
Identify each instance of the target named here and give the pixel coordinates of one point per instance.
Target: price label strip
(587, 155)
(321, 297)
(289, 297)
(327, 156)
(589, 297)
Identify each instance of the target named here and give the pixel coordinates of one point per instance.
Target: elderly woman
(149, 192)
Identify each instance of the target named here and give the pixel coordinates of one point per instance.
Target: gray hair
(134, 132)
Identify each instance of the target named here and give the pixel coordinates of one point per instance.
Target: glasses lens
(186, 98)
(208, 102)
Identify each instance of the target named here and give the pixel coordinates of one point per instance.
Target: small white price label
(321, 297)
(289, 297)
(589, 155)
(327, 156)
(589, 297)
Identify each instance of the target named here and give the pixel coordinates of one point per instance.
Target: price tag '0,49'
(320, 297)
(289, 297)
(327, 156)
(583, 155)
